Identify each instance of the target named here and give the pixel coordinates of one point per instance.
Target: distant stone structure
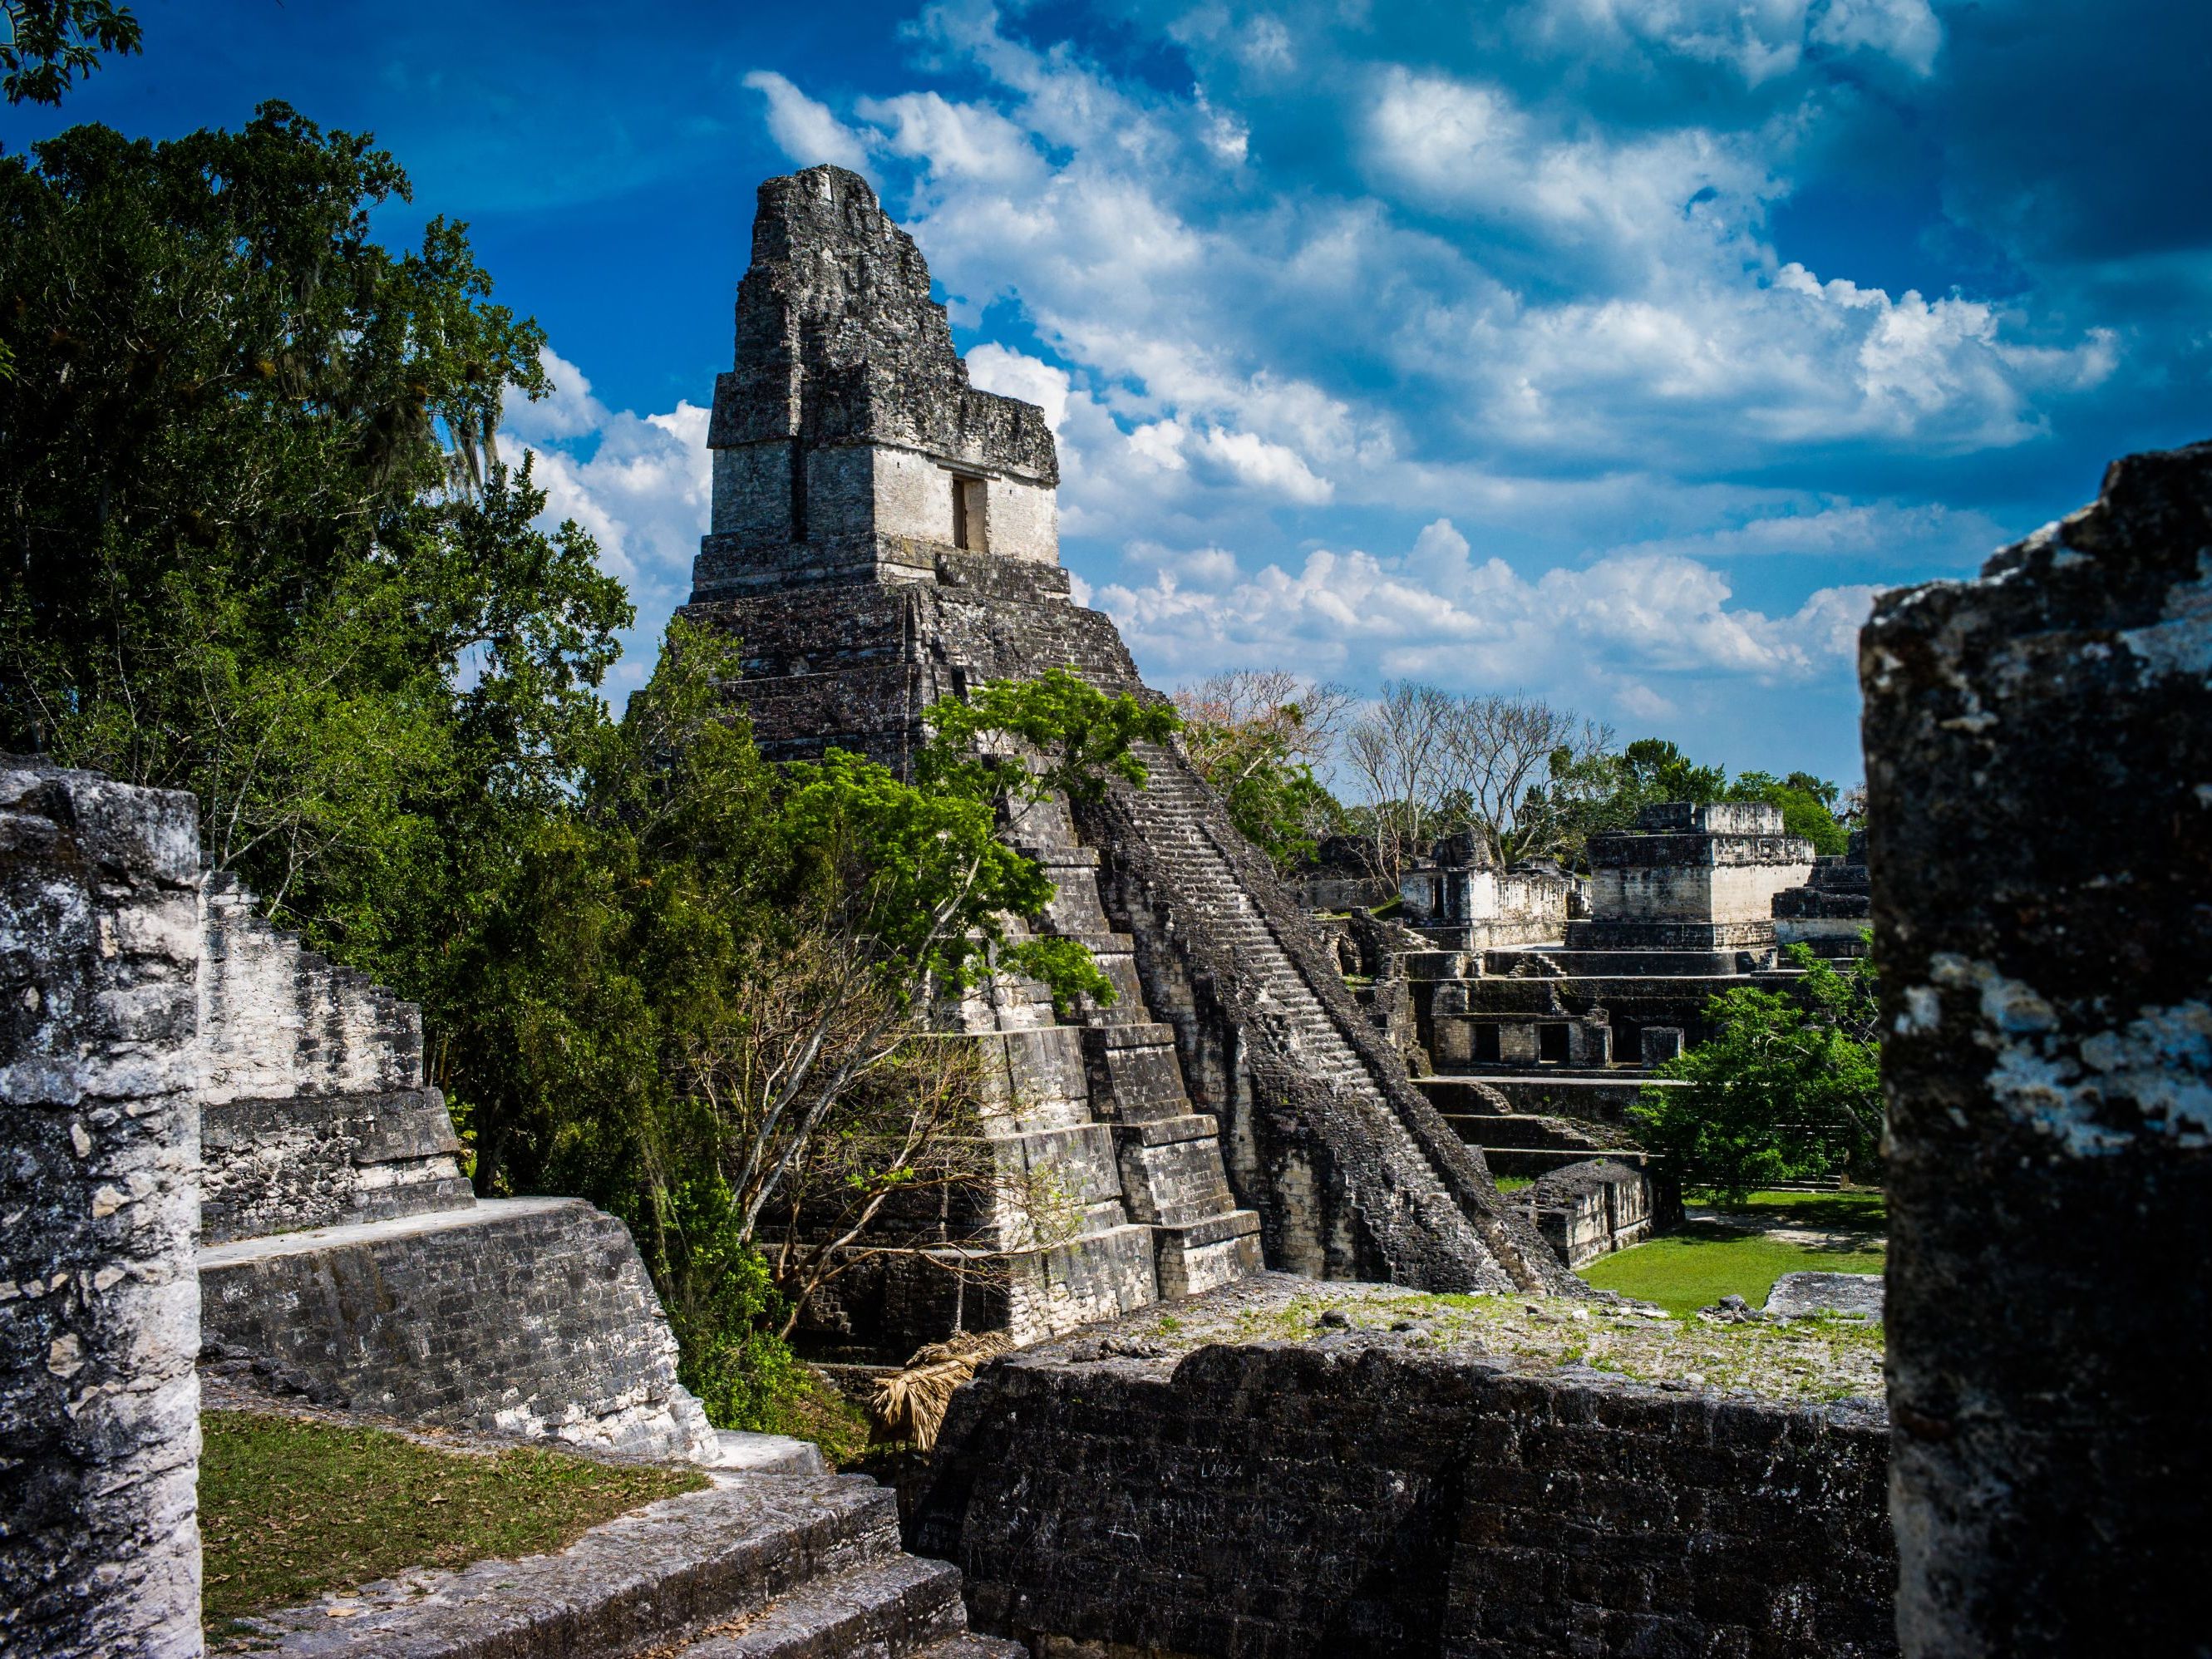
(1461, 901)
(884, 535)
(1591, 1209)
(1833, 912)
(100, 1547)
(2039, 797)
(1693, 882)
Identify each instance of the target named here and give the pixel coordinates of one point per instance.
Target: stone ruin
(1363, 1481)
(2039, 798)
(2039, 742)
(884, 536)
(221, 1148)
(99, 945)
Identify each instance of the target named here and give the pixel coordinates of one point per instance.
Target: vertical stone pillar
(2039, 779)
(99, 1549)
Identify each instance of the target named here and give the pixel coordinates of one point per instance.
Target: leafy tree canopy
(50, 43)
(258, 545)
(1787, 1089)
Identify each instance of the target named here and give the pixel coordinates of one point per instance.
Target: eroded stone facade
(100, 1551)
(2039, 797)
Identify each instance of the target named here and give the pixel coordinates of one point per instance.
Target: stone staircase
(1192, 899)
(791, 1561)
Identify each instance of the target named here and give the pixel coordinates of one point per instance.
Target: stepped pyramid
(886, 535)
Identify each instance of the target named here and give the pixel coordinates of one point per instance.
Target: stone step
(969, 1644)
(898, 1605)
(641, 1583)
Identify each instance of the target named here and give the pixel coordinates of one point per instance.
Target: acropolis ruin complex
(222, 1156)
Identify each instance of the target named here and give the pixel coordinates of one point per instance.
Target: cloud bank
(1479, 349)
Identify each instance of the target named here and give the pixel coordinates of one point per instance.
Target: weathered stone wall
(100, 1551)
(313, 1109)
(837, 432)
(1690, 877)
(1591, 1209)
(2039, 778)
(1364, 1494)
(530, 1316)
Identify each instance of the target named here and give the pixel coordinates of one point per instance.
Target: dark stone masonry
(2039, 781)
(529, 1315)
(100, 1548)
(1381, 1492)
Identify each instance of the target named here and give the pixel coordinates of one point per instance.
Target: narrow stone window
(970, 528)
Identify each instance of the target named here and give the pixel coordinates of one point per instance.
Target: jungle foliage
(1788, 1088)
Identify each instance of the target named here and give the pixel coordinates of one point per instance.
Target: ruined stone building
(218, 1144)
(219, 1156)
(886, 535)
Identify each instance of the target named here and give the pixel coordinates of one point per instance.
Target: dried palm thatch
(910, 1405)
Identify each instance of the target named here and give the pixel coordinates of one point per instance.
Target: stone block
(2039, 748)
(99, 1549)
(530, 1316)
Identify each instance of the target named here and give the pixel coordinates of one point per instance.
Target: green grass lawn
(290, 1508)
(1696, 1265)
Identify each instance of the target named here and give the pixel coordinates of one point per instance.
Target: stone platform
(805, 1564)
(529, 1315)
(1295, 1467)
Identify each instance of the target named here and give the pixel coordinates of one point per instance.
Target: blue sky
(1615, 350)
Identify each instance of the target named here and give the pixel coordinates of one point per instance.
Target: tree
(1399, 751)
(1807, 803)
(1501, 752)
(703, 997)
(1787, 1089)
(51, 42)
(1256, 736)
(259, 544)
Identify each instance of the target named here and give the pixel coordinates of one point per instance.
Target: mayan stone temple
(1295, 1379)
(884, 535)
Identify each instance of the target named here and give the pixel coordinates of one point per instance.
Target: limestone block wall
(1367, 1495)
(2040, 779)
(100, 1551)
(1591, 1209)
(528, 1316)
(313, 1107)
(1024, 520)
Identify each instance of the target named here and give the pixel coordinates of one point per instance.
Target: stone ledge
(1168, 1485)
(661, 1573)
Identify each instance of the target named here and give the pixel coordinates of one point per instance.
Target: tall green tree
(1788, 1088)
(258, 544)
